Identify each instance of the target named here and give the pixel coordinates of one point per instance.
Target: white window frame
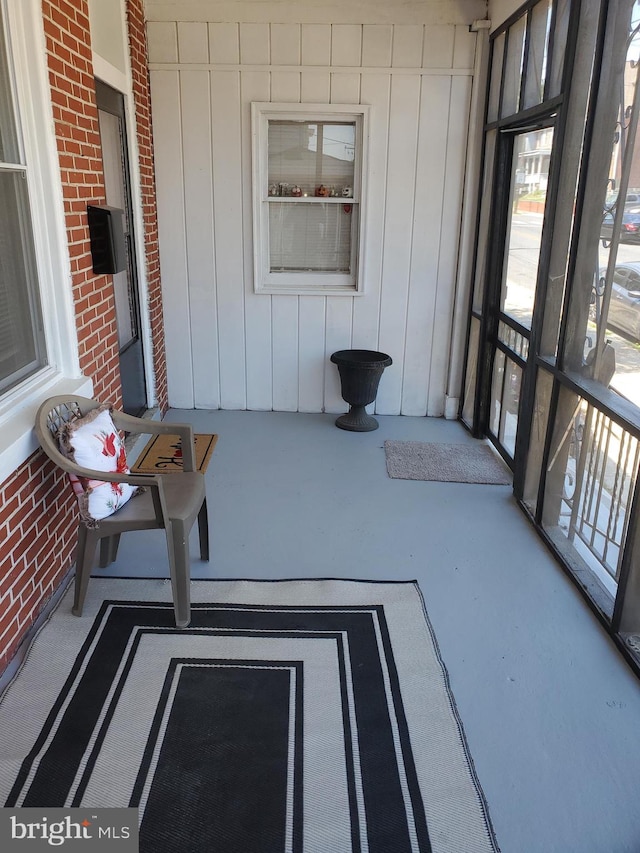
(61, 374)
(324, 283)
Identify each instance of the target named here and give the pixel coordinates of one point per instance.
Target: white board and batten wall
(228, 347)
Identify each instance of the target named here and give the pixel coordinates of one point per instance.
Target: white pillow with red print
(94, 442)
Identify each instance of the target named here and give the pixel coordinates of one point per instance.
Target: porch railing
(599, 483)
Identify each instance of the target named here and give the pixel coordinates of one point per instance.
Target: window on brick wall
(38, 337)
(22, 350)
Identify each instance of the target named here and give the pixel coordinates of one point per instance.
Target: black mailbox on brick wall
(106, 232)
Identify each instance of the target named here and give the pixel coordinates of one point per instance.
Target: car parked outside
(631, 199)
(624, 306)
(629, 229)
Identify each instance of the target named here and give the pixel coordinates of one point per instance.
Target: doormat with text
(163, 453)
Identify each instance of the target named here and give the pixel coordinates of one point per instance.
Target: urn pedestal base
(357, 420)
(360, 372)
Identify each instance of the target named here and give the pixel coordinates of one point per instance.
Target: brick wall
(38, 518)
(142, 98)
(37, 546)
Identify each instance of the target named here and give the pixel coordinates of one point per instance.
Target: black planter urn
(360, 371)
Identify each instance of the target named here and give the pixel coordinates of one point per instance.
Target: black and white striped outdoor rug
(309, 716)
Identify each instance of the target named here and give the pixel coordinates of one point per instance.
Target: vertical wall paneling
(315, 87)
(224, 44)
(464, 48)
(284, 324)
(438, 46)
(345, 88)
(311, 353)
(162, 41)
(377, 42)
(193, 42)
(407, 46)
(285, 88)
(255, 86)
(272, 351)
(198, 201)
(366, 310)
(254, 44)
(447, 266)
(423, 277)
(227, 200)
(346, 44)
(403, 138)
(165, 93)
(337, 336)
(285, 44)
(316, 44)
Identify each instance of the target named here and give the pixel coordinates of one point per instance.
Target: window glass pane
(529, 175)
(311, 158)
(505, 400)
(497, 386)
(513, 68)
(8, 136)
(311, 236)
(21, 338)
(471, 373)
(485, 212)
(510, 404)
(515, 340)
(589, 487)
(537, 57)
(544, 386)
(603, 339)
(563, 8)
(496, 77)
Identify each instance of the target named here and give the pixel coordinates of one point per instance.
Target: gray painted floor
(550, 709)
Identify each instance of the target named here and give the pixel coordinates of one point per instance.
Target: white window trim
(324, 284)
(18, 406)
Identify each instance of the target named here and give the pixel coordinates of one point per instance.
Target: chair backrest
(52, 415)
(62, 414)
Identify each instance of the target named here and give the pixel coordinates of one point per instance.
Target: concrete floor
(550, 709)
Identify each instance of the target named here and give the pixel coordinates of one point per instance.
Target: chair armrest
(141, 426)
(142, 480)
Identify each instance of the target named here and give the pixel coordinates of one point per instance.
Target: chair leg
(87, 542)
(108, 550)
(203, 530)
(179, 566)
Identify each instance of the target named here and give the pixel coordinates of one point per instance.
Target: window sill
(18, 411)
(297, 290)
(310, 283)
